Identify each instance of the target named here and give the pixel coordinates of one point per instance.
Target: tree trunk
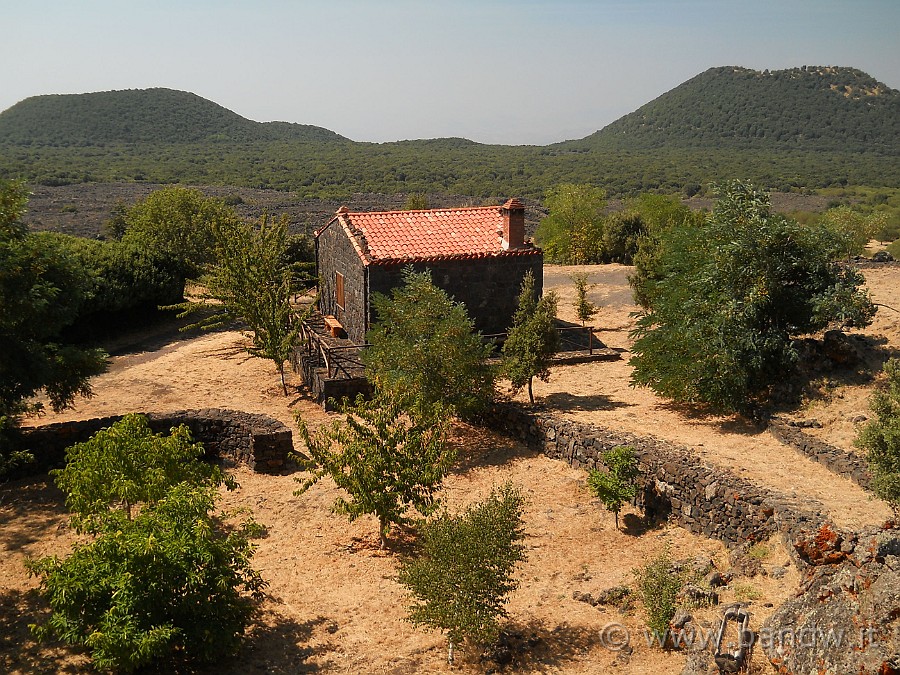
(616, 513)
(450, 652)
(530, 393)
(382, 532)
(281, 372)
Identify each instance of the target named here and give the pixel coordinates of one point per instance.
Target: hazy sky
(498, 71)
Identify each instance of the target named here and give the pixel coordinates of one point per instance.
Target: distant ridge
(809, 108)
(139, 116)
(803, 128)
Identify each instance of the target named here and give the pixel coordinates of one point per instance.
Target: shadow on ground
(534, 647)
(591, 402)
(29, 508)
(478, 448)
(19, 651)
(278, 644)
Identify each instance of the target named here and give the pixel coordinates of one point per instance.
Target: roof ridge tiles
(495, 207)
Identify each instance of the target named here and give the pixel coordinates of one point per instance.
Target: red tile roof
(396, 237)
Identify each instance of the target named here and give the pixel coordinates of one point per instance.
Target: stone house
(478, 255)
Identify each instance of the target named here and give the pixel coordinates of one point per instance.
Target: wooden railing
(336, 358)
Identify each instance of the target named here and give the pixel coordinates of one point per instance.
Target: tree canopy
(425, 350)
(532, 339)
(41, 291)
(178, 222)
(572, 233)
(463, 575)
(725, 297)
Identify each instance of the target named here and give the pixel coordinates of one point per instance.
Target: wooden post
(590, 340)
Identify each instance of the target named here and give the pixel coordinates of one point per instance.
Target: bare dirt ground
(333, 603)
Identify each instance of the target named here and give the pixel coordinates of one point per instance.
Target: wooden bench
(334, 327)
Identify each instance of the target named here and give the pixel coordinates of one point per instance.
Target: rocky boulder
(846, 616)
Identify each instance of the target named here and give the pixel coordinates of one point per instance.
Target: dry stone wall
(259, 441)
(834, 459)
(706, 500)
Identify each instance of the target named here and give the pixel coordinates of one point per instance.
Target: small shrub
(160, 574)
(881, 438)
(658, 585)
(618, 485)
(746, 592)
(167, 580)
(758, 552)
(463, 576)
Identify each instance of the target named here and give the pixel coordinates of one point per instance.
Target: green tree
(253, 282)
(618, 484)
(425, 350)
(852, 229)
(178, 222)
(622, 233)
(659, 213)
(127, 464)
(532, 340)
(41, 291)
(880, 438)
(572, 233)
(387, 461)
(728, 297)
(584, 308)
(170, 581)
(462, 577)
(416, 201)
(170, 578)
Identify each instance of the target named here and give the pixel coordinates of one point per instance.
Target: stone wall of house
(336, 254)
(259, 441)
(488, 287)
(706, 500)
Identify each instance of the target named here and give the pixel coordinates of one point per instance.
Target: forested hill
(139, 116)
(808, 108)
(804, 128)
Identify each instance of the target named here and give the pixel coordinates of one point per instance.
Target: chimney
(513, 213)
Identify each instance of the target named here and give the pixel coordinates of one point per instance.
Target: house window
(339, 289)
